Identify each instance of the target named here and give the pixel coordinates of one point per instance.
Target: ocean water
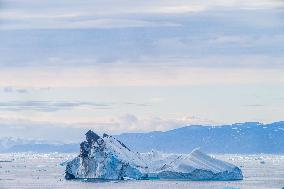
(44, 171)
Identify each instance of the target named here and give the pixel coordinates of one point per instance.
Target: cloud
(95, 23)
(48, 106)
(97, 14)
(77, 44)
(41, 131)
(254, 105)
(56, 131)
(117, 75)
(192, 45)
(85, 36)
(137, 104)
(14, 90)
(132, 123)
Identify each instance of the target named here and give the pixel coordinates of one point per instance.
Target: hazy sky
(124, 65)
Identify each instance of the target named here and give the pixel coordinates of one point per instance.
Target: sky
(135, 66)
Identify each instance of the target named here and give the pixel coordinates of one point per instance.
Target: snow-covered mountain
(250, 137)
(9, 144)
(108, 158)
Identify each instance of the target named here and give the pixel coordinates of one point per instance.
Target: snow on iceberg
(105, 158)
(108, 158)
(199, 166)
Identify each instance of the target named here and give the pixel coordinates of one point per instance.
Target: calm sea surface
(43, 171)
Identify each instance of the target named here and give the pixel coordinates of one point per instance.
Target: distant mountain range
(250, 137)
(44, 148)
(10, 144)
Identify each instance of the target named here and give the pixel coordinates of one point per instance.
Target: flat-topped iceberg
(108, 158)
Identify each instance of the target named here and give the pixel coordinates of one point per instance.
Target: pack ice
(108, 158)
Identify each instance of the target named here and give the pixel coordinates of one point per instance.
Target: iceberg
(105, 158)
(198, 166)
(109, 159)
